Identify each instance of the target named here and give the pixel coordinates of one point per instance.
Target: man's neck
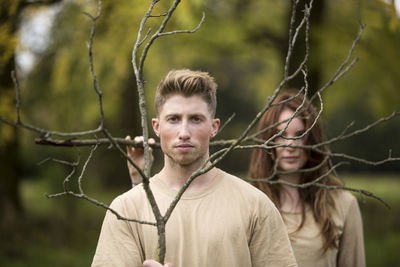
(175, 176)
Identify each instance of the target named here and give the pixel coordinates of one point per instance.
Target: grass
(64, 231)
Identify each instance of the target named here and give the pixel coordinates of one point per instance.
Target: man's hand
(153, 263)
(137, 155)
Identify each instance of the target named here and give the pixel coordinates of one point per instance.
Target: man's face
(185, 126)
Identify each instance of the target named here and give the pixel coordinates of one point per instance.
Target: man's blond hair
(187, 83)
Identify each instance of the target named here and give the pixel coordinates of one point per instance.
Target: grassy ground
(64, 231)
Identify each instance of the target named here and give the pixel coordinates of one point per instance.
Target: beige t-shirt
(230, 223)
(307, 242)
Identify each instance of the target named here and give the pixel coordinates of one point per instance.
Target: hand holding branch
(137, 155)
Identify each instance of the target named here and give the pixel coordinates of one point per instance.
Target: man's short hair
(187, 83)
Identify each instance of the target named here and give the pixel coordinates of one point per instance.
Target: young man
(220, 219)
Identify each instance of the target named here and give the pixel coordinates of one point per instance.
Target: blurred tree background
(242, 44)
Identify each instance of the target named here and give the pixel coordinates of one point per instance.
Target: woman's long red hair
(262, 166)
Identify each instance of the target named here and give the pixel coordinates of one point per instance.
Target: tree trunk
(10, 201)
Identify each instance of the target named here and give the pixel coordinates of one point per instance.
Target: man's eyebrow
(197, 114)
(172, 114)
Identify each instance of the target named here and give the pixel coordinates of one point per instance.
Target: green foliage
(8, 38)
(382, 236)
(373, 83)
(239, 43)
(8, 42)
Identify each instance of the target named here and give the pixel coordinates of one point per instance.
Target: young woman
(324, 226)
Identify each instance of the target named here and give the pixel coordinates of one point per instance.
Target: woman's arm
(351, 246)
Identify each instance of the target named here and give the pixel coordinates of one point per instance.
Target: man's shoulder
(239, 185)
(236, 181)
(134, 195)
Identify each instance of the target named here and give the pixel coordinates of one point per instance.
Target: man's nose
(184, 132)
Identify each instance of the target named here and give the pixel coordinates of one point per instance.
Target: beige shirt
(230, 223)
(307, 242)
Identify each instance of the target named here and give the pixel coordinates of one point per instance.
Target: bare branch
(62, 162)
(226, 122)
(90, 142)
(157, 16)
(90, 48)
(185, 31)
(291, 27)
(81, 192)
(100, 204)
(84, 169)
(74, 165)
(43, 132)
(342, 136)
(112, 140)
(361, 160)
(120, 141)
(342, 69)
(145, 37)
(292, 40)
(361, 191)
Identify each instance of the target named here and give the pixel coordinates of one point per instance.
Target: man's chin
(185, 161)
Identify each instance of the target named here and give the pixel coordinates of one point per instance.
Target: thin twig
(342, 69)
(90, 51)
(80, 178)
(185, 31)
(361, 191)
(226, 123)
(100, 204)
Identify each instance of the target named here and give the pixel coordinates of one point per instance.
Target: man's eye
(172, 119)
(196, 119)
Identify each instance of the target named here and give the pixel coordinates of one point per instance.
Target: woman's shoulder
(344, 202)
(344, 196)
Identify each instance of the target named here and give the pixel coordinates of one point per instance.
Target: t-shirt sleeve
(118, 245)
(270, 245)
(351, 246)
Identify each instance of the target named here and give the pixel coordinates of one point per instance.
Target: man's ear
(214, 127)
(156, 126)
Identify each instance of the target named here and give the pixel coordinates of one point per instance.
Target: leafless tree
(145, 39)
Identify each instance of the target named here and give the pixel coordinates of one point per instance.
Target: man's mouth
(184, 147)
